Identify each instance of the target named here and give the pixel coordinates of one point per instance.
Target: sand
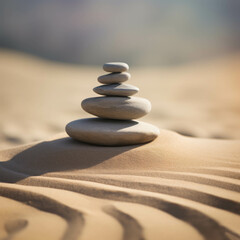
(176, 187)
(38, 98)
(173, 188)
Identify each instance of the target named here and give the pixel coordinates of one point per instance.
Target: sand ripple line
(232, 235)
(12, 227)
(198, 197)
(205, 180)
(73, 217)
(198, 179)
(227, 173)
(9, 175)
(132, 230)
(217, 172)
(191, 194)
(206, 226)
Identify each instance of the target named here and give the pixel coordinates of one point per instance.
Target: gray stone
(114, 78)
(115, 67)
(116, 89)
(123, 108)
(111, 132)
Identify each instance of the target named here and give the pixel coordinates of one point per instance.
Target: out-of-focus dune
(38, 98)
(176, 187)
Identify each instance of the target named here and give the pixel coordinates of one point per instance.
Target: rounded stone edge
(112, 67)
(111, 116)
(122, 78)
(129, 92)
(113, 143)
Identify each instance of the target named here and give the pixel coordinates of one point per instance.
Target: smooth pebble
(111, 132)
(114, 78)
(122, 108)
(116, 89)
(115, 67)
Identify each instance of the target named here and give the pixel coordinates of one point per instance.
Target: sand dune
(173, 188)
(38, 98)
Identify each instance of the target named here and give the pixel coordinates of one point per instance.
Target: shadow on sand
(63, 154)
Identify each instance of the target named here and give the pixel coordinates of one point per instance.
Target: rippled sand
(175, 187)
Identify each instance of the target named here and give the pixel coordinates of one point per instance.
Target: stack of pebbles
(115, 111)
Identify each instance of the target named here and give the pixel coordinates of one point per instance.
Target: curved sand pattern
(172, 188)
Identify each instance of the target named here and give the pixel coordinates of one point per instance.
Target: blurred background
(153, 32)
(184, 56)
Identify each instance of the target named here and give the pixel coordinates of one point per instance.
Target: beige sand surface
(38, 98)
(175, 187)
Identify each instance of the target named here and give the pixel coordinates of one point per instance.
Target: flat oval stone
(116, 89)
(123, 108)
(111, 132)
(115, 67)
(114, 78)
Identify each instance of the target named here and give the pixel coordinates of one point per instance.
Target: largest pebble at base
(111, 132)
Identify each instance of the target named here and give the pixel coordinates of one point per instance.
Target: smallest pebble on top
(115, 67)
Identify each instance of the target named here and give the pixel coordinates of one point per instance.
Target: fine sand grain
(176, 187)
(38, 98)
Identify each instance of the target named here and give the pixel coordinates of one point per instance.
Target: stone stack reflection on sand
(115, 111)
